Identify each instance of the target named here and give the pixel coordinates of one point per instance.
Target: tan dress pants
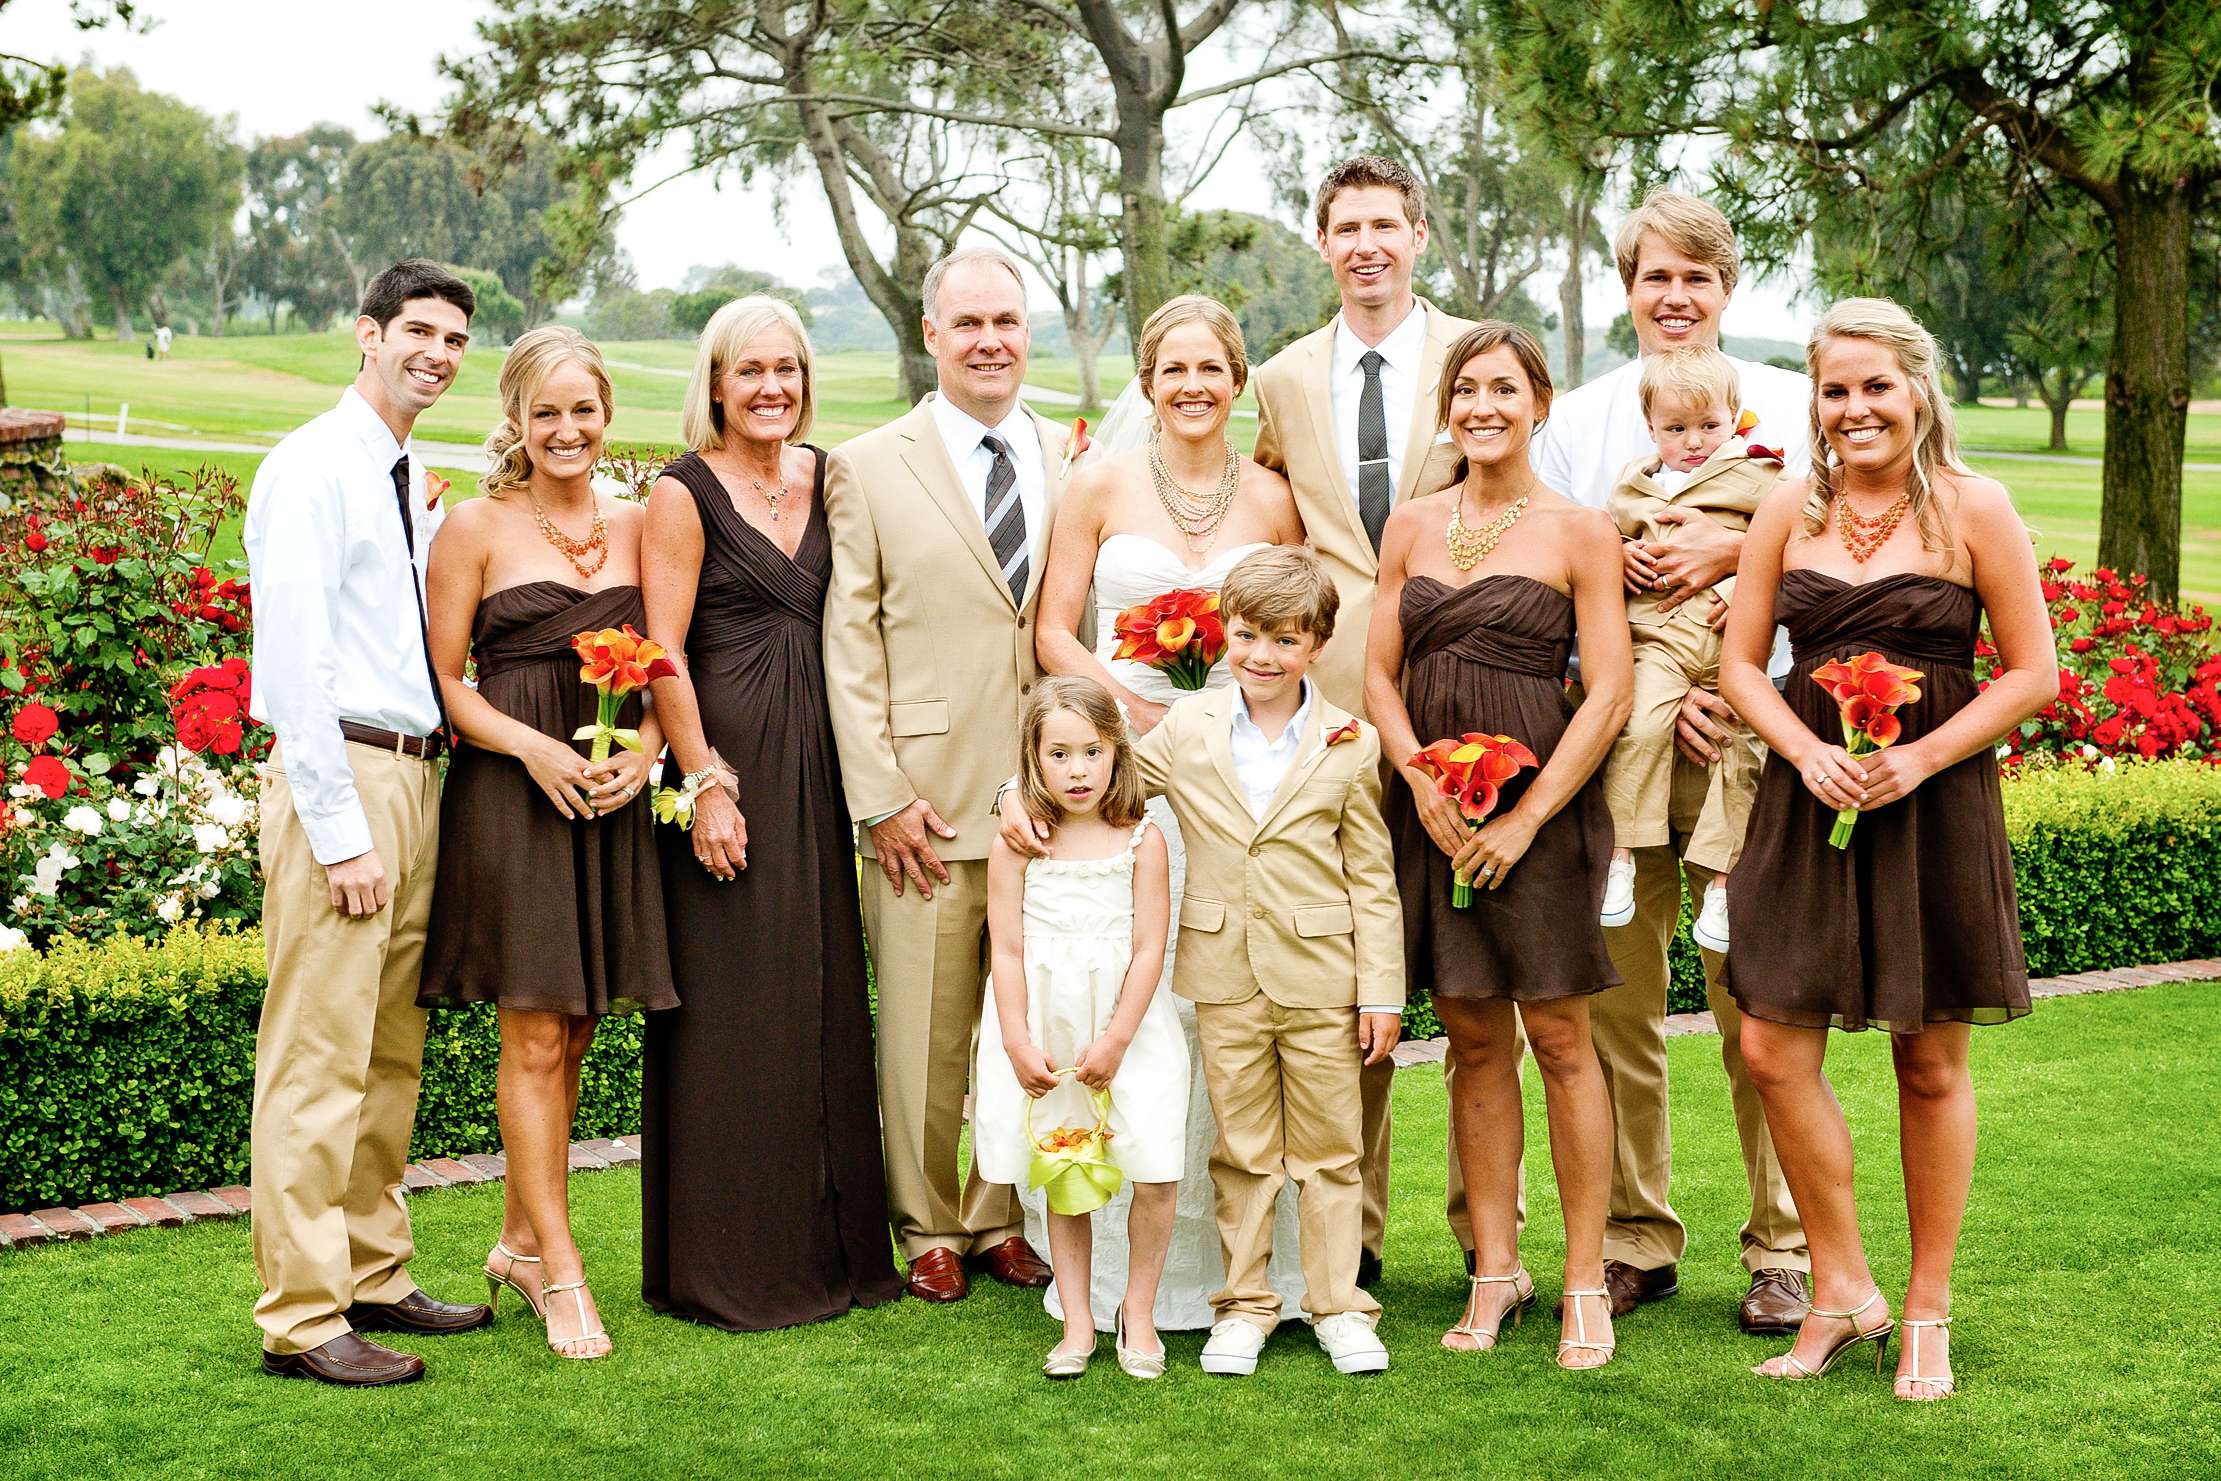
(1643, 768)
(1285, 1090)
(1628, 1024)
(929, 961)
(337, 1059)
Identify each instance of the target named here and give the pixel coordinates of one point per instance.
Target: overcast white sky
(278, 66)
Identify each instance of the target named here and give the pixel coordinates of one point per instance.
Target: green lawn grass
(2084, 1345)
(2028, 430)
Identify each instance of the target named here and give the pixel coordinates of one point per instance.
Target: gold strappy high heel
(1794, 1369)
(576, 1291)
(1523, 1296)
(1579, 1340)
(1946, 1385)
(506, 1276)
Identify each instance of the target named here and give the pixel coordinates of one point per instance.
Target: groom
(939, 523)
(1347, 414)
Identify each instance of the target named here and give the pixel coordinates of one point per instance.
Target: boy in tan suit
(1702, 465)
(939, 521)
(1291, 948)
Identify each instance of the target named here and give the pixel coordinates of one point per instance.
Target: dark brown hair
(1487, 335)
(1372, 169)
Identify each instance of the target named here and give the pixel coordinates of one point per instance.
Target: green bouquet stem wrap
(1858, 743)
(606, 732)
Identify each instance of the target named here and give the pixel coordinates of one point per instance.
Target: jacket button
(1021, 624)
(1025, 689)
(1258, 913)
(1255, 850)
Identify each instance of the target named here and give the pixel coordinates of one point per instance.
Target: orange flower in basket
(1179, 634)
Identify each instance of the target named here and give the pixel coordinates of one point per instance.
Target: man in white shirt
(1347, 413)
(939, 521)
(338, 530)
(1678, 261)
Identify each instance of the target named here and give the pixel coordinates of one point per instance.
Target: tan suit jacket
(927, 658)
(1295, 436)
(1300, 905)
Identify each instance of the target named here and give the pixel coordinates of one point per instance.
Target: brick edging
(47, 1225)
(1431, 1051)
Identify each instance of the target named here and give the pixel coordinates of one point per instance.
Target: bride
(1163, 503)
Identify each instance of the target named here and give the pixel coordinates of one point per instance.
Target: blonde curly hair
(531, 360)
(1935, 435)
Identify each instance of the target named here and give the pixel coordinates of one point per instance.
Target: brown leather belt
(417, 747)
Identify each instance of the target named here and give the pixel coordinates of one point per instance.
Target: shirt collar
(370, 429)
(1294, 730)
(1400, 349)
(963, 431)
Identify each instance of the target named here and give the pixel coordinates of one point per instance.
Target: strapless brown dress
(532, 910)
(1917, 922)
(1491, 656)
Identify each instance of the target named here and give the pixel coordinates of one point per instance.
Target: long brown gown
(765, 1198)
(1490, 656)
(531, 909)
(1917, 922)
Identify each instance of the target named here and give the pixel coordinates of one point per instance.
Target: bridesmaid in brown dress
(1892, 547)
(765, 1196)
(547, 902)
(1452, 652)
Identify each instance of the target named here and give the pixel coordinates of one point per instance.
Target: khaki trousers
(1376, 1084)
(1643, 768)
(1285, 1089)
(929, 960)
(1628, 1024)
(337, 1058)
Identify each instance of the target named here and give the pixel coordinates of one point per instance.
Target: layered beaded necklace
(1191, 513)
(595, 545)
(1468, 548)
(1862, 535)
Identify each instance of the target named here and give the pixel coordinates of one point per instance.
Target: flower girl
(1078, 942)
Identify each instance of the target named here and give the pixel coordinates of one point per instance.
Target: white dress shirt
(1400, 354)
(1596, 429)
(962, 433)
(338, 633)
(1260, 765)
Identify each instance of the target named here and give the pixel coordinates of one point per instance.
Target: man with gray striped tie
(939, 521)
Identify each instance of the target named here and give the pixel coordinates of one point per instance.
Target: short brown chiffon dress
(531, 909)
(1917, 922)
(1490, 656)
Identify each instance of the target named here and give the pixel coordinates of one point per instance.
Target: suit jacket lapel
(1218, 743)
(1054, 439)
(1318, 396)
(1426, 382)
(927, 458)
(1309, 753)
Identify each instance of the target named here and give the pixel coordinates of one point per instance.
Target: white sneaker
(1233, 1348)
(1709, 929)
(1348, 1338)
(1619, 892)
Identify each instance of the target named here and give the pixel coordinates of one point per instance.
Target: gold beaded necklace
(1861, 534)
(596, 543)
(771, 496)
(1468, 548)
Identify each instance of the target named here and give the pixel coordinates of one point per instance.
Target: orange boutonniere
(1764, 454)
(1344, 732)
(1745, 422)
(435, 489)
(1076, 444)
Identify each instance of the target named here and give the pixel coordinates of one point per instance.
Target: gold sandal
(506, 1276)
(1579, 1340)
(1485, 1338)
(576, 1290)
(1946, 1384)
(1794, 1369)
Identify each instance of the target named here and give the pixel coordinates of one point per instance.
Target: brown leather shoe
(938, 1275)
(348, 1361)
(1776, 1303)
(1014, 1263)
(1631, 1287)
(419, 1313)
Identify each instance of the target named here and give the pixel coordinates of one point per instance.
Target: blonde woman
(765, 1197)
(548, 903)
(1893, 547)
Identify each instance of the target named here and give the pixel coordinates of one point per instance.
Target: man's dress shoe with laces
(418, 1313)
(347, 1361)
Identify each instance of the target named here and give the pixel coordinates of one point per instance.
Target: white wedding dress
(1130, 569)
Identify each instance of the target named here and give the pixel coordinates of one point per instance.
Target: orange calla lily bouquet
(1868, 688)
(616, 661)
(1471, 772)
(1180, 634)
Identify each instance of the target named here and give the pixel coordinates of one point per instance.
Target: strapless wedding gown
(1129, 570)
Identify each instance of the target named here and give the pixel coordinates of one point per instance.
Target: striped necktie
(1006, 518)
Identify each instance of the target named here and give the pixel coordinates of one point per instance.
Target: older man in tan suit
(1347, 414)
(939, 522)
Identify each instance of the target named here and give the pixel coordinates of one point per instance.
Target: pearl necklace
(1191, 513)
(1468, 548)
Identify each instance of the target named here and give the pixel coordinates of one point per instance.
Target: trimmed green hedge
(127, 1067)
